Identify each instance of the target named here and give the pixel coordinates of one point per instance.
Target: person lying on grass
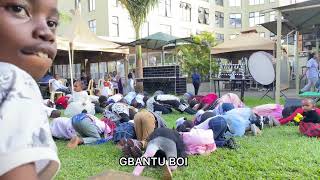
(306, 103)
(163, 143)
(200, 102)
(164, 103)
(217, 124)
(61, 128)
(89, 127)
(310, 124)
(145, 122)
(27, 50)
(239, 121)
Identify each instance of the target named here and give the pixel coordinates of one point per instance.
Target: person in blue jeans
(196, 80)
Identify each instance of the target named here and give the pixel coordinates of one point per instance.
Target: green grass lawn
(279, 153)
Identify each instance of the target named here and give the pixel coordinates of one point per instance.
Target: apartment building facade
(180, 18)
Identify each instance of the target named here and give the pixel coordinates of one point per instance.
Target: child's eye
(52, 24)
(18, 10)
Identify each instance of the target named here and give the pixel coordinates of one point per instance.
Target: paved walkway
(205, 89)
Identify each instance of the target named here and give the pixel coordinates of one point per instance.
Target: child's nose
(43, 32)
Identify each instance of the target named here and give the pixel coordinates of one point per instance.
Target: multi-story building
(180, 18)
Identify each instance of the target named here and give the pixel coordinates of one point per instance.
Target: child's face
(27, 34)
(307, 106)
(77, 87)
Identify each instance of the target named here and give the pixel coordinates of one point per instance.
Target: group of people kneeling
(135, 124)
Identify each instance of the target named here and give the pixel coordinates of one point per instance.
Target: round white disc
(261, 68)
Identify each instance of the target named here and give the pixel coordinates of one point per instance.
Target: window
(219, 37)
(272, 1)
(76, 3)
(256, 2)
(232, 36)
(235, 20)
(219, 2)
(262, 34)
(115, 26)
(203, 15)
(115, 3)
(256, 18)
(234, 2)
(92, 5)
(165, 28)
(185, 9)
(219, 19)
(93, 25)
(164, 8)
(272, 16)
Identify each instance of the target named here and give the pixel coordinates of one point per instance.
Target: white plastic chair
(53, 93)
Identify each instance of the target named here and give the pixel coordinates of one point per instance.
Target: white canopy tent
(78, 36)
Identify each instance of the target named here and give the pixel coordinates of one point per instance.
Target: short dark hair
(130, 75)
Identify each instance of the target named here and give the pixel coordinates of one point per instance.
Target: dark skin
(27, 33)
(28, 28)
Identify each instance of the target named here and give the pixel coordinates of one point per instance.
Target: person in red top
(298, 110)
(201, 102)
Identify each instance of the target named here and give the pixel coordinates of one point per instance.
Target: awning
(300, 16)
(82, 38)
(247, 41)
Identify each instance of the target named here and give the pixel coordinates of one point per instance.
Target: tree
(196, 56)
(138, 11)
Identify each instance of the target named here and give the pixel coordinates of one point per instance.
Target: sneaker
(267, 120)
(255, 130)
(134, 142)
(126, 150)
(231, 144)
(259, 122)
(136, 152)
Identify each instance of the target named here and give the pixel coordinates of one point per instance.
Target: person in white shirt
(61, 128)
(27, 33)
(58, 86)
(79, 101)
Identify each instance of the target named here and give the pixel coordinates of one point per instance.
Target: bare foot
(74, 142)
(167, 174)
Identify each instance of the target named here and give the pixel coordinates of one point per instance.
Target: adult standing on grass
(196, 81)
(312, 72)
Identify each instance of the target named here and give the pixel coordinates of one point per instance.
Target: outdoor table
(216, 82)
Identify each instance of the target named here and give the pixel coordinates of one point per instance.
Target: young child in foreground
(310, 124)
(27, 49)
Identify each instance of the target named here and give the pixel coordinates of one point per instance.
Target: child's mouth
(39, 54)
(43, 52)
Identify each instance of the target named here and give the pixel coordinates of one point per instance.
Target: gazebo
(243, 46)
(77, 37)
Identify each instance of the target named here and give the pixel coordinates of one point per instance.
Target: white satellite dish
(261, 68)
